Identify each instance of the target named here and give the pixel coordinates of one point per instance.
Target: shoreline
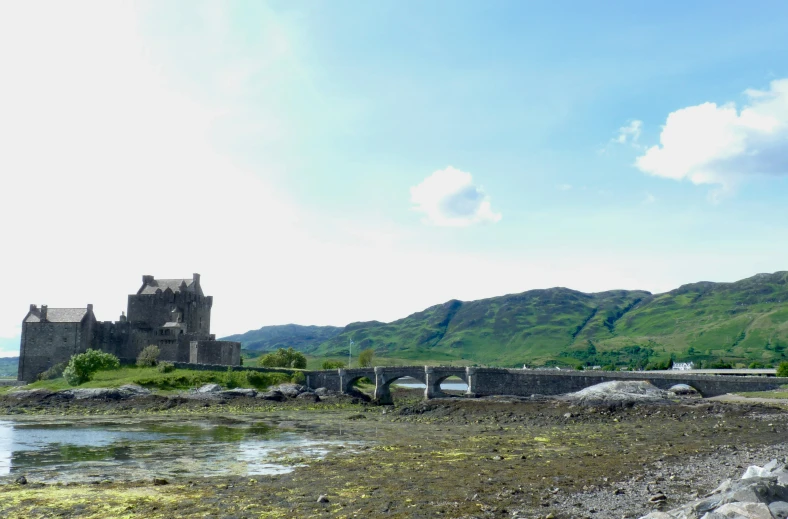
(461, 458)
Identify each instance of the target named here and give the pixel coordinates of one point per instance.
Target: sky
(326, 162)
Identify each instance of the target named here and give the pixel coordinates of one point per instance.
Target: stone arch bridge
(526, 382)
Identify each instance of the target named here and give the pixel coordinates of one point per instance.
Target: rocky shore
(573, 457)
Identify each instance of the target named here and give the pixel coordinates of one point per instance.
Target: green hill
(741, 322)
(267, 338)
(8, 367)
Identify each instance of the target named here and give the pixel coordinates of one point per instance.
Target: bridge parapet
(524, 382)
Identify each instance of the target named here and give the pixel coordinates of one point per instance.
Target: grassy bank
(152, 378)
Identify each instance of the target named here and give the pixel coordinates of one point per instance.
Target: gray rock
(312, 397)
(779, 509)
(209, 388)
(21, 480)
(744, 511)
(289, 390)
(275, 395)
(321, 391)
(31, 393)
(619, 392)
(134, 390)
(103, 393)
(683, 389)
(322, 498)
(240, 391)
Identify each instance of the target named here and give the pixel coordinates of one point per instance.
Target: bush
(298, 378)
(782, 369)
(166, 367)
(756, 365)
(82, 366)
(366, 357)
(54, 372)
(148, 357)
(284, 358)
(332, 364)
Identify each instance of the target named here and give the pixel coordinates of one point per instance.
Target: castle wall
(46, 344)
(154, 310)
(227, 353)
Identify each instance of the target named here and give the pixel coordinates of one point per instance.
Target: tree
(782, 369)
(365, 357)
(149, 356)
(82, 366)
(332, 364)
(284, 358)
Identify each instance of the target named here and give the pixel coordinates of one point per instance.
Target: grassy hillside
(268, 338)
(740, 322)
(8, 367)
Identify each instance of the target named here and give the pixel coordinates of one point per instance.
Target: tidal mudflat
(461, 458)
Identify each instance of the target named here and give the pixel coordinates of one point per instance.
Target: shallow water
(80, 450)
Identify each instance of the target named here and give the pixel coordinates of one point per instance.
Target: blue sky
(326, 162)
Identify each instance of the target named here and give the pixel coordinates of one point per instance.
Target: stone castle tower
(173, 314)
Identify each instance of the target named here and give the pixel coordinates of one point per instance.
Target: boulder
(683, 389)
(275, 395)
(311, 397)
(103, 393)
(289, 390)
(209, 388)
(619, 393)
(742, 511)
(760, 494)
(31, 394)
(779, 509)
(240, 391)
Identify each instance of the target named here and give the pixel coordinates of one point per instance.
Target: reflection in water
(139, 450)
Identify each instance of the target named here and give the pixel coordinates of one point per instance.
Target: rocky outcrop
(762, 493)
(619, 393)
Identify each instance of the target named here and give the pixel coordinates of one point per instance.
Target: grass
(179, 379)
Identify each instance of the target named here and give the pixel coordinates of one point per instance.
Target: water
(446, 385)
(62, 451)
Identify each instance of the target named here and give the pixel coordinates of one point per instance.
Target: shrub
(149, 356)
(782, 369)
(284, 358)
(82, 366)
(166, 367)
(756, 365)
(54, 372)
(332, 364)
(366, 357)
(298, 378)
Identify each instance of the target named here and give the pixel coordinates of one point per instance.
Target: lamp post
(349, 352)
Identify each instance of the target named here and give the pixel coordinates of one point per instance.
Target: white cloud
(711, 144)
(563, 187)
(649, 199)
(630, 133)
(449, 198)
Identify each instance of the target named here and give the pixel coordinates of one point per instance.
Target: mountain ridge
(742, 321)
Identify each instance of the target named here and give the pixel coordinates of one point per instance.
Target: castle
(173, 314)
